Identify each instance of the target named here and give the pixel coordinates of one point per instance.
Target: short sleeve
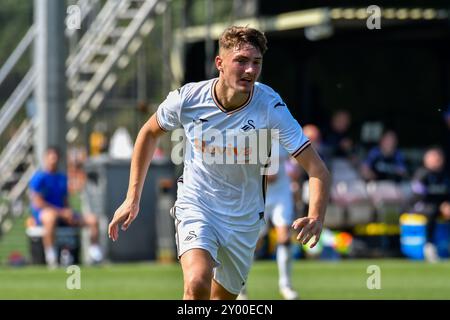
(371, 157)
(168, 113)
(290, 133)
(36, 183)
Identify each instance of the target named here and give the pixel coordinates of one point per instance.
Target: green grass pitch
(347, 279)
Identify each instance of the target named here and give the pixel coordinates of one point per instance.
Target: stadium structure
(321, 58)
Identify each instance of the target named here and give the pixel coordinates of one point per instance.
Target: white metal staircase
(113, 37)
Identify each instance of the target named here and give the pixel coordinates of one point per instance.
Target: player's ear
(219, 63)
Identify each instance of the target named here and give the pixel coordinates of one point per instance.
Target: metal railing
(17, 154)
(124, 24)
(116, 34)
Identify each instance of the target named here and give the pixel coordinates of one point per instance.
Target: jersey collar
(219, 105)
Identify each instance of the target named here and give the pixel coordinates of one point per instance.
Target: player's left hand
(308, 227)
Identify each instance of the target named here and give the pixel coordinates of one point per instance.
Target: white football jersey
(232, 188)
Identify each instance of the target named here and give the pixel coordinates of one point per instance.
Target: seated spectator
(337, 138)
(385, 161)
(49, 207)
(431, 188)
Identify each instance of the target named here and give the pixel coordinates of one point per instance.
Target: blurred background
(370, 85)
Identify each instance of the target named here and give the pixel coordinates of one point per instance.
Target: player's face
(240, 67)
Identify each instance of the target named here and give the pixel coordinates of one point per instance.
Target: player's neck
(229, 98)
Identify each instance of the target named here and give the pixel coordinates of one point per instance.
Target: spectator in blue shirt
(49, 207)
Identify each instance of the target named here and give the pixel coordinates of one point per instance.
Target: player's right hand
(125, 214)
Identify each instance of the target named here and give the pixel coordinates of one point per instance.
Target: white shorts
(280, 211)
(232, 250)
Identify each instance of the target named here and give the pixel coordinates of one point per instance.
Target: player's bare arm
(319, 186)
(144, 148)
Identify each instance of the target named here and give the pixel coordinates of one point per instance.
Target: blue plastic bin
(412, 235)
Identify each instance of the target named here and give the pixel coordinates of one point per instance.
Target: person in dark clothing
(337, 139)
(385, 161)
(431, 188)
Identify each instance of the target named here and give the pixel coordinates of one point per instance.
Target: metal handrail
(95, 36)
(22, 136)
(17, 53)
(22, 185)
(16, 153)
(85, 6)
(17, 99)
(111, 60)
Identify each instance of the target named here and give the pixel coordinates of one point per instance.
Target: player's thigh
(197, 265)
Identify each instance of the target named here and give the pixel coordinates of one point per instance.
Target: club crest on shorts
(191, 236)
